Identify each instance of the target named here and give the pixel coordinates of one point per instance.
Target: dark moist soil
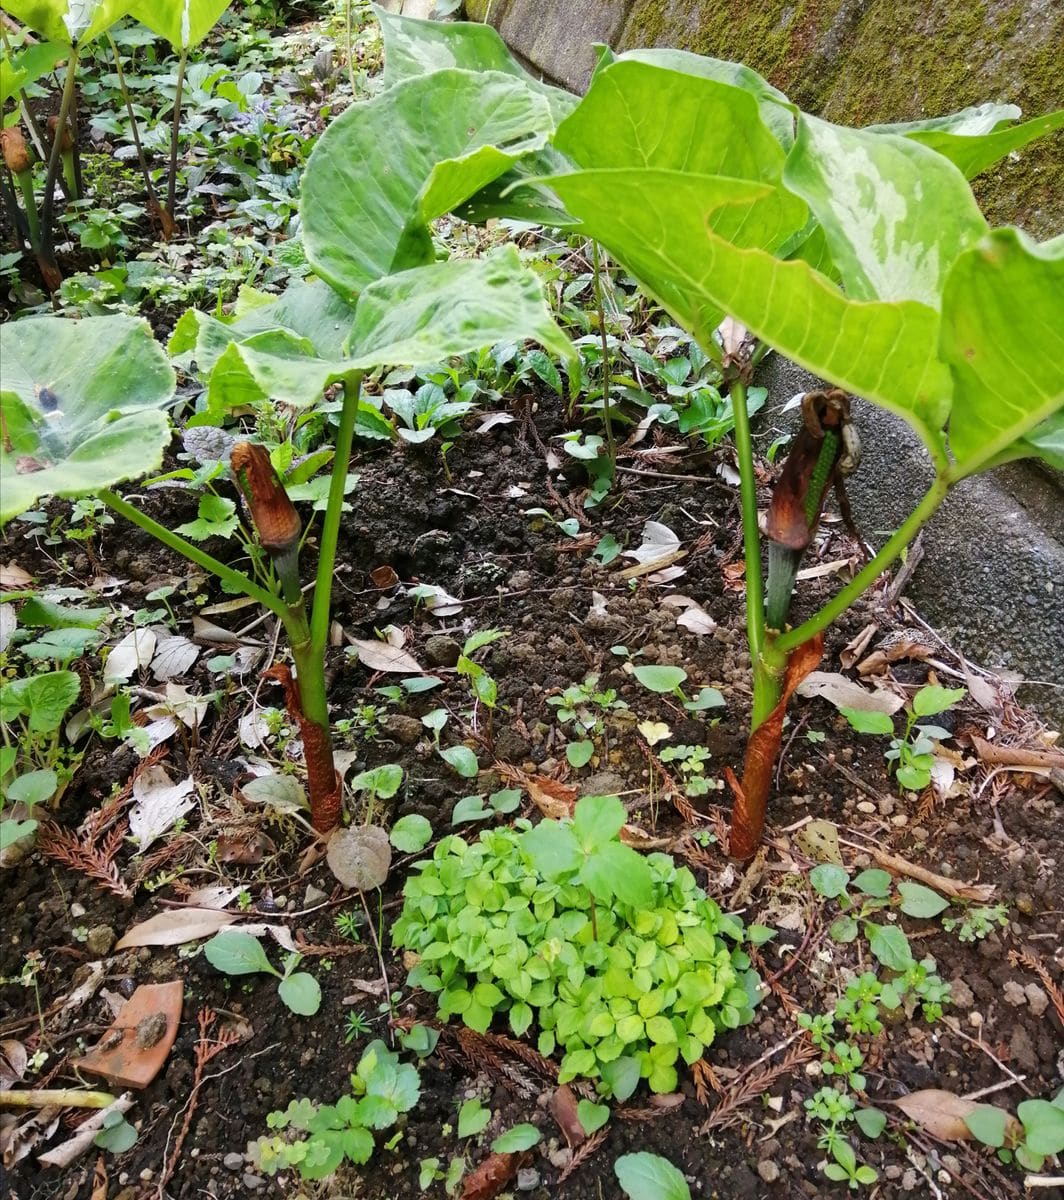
(467, 532)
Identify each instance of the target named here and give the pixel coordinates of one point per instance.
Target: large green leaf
(895, 214)
(305, 310)
(639, 115)
(776, 110)
(1046, 441)
(74, 22)
(184, 23)
(413, 47)
(975, 138)
(666, 228)
(446, 134)
(25, 65)
(1003, 337)
(83, 406)
(453, 307)
(655, 223)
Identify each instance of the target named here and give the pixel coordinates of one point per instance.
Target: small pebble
(253, 1182)
(147, 1175)
(863, 806)
(1025, 903)
(975, 1019)
(768, 1170)
(233, 1161)
(1036, 999)
(527, 1179)
(1014, 994)
(77, 910)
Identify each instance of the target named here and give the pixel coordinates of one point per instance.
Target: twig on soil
(980, 893)
(1041, 1181)
(377, 946)
(752, 1083)
(206, 1049)
(954, 1027)
(581, 1155)
(994, 1087)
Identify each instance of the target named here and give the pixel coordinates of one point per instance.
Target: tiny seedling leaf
(462, 760)
(592, 1116)
(829, 880)
(472, 1118)
(236, 953)
(411, 833)
(920, 901)
(866, 721)
(660, 678)
(521, 1137)
(646, 1176)
(301, 993)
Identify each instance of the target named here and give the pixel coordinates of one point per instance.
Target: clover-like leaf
(83, 407)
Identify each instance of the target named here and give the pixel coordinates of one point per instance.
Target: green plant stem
(607, 419)
(55, 158)
(350, 47)
(133, 128)
(864, 579)
(766, 666)
(25, 183)
(235, 579)
(175, 131)
(330, 530)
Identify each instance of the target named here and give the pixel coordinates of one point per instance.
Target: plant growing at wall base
(859, 253)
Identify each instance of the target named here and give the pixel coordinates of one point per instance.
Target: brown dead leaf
(99, 1180)
(13, 577)
(384, 577)
(910, 647)
(820, 841)
(379, 656)
(491, 1176)
(942, 1114)
(13, 1062)
(176, 926)
(853, 650)
(562, 1105)
(734, 575)
(553, 799)
(244, 849)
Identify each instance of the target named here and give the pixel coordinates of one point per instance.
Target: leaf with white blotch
(666, 228)
(174, 655)
(157, 803)
(1002, 390)
(360, 856)
(73, 22)
(455, 307)
(83, 407)
(902, 245)
(379, 656)
(361, 223)
(977, 137)
(184, 23)
(175, 927)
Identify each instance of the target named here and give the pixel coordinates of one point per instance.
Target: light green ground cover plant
(859, 253)
(911, 756)
(619, 960)
(86, 402)
(382, 1088)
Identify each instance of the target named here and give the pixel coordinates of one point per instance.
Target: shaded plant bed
(512, 572)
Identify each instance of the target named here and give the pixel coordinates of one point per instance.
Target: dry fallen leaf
(820, 841)
(175, 927)
(174, 656)
(134, 651)
(379, 656)
(384, 576)
(158, 804)
(488, 1178)
(942, 1114)
(562, 1105)
(853, 649)
(360, 856)
(13, 1062)
(845, 693)
(13, 577)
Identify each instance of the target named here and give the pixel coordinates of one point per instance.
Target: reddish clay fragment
(132, 1052)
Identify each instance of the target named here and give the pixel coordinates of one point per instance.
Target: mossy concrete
(853, 61)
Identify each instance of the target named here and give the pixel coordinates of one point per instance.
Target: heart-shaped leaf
(83, 406)
(360, 857)
(448, 133)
